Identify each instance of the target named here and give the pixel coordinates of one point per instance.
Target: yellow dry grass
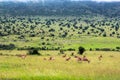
(36, 68)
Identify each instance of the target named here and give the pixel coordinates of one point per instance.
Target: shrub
(33, 52)
(81, 50)
(117, 47)
(104, 35)
(61, 51)
(7, 47)
(90, 49)
(71, 49)
(103, 49)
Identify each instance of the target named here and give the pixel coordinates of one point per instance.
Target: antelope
(79, 59)
(72, 54)
(75, 56)
(51, 58)
(68, 59)
(64, 55)
(23, 56)
(85, 59)
(100, 57)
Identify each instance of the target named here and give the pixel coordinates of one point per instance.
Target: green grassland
(36, 68)
(66, 43)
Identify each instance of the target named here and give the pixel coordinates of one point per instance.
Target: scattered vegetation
(61, 33)
(7, 47)
(31, 27)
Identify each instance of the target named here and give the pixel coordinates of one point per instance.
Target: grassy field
(64, 43)
(36, 68)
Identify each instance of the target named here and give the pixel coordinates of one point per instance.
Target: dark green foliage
(33, 51)
(28, 28)
(118, 48)
(57, 8)
(52, 30)
(90, 49)
(103, 49)
(104, 35)
(61, 51)
(7, 47)
(81, 50)
(70, 49)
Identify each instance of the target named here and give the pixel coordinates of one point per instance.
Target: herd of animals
(78, 58)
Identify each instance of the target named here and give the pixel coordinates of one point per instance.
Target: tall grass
(36, 68)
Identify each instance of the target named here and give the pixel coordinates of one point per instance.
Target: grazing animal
(100, 57)
(79, 59)
(23, 56)
(64, 55)
(51, 58)
(75, 56)
(72, 54)
(45, 59)
(85, 59)
(68, 59)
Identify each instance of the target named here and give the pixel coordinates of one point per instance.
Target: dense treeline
(59, 8)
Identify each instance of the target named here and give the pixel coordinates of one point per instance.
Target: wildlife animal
(75, 56)
(72, 54)
(79, 59)
(85, 59)
(64, 55)
(68, 59)
(51, 58)
(100, 57)
(23, 56)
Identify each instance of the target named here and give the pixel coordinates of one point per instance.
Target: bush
(81, 50)
(33, 52)
(117, 47)
(90, 49)
(103, 49)
(71, 49)
(7, 47)
(61, 51)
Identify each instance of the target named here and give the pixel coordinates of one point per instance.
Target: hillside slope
(61, 8)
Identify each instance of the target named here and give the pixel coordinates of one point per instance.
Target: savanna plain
(35, 67)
